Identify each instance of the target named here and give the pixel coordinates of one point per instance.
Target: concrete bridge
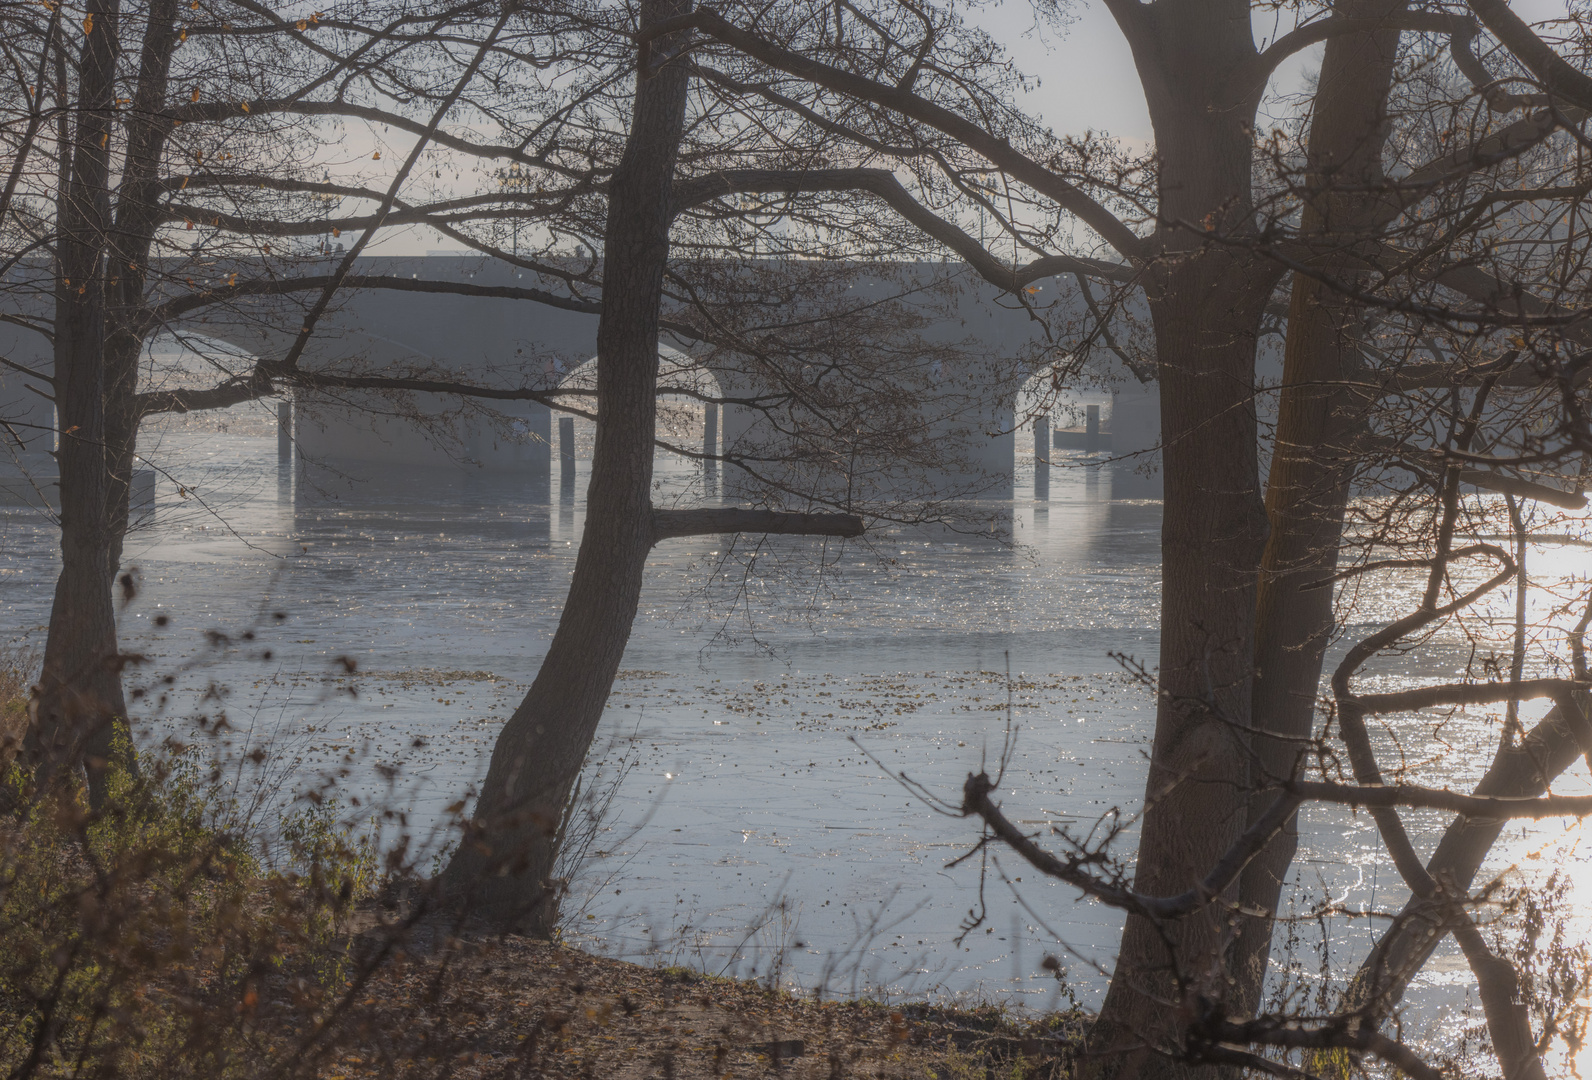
(507, 343)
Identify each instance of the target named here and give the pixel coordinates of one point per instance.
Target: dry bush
(150, 939)
(144, 939)
(17, 666)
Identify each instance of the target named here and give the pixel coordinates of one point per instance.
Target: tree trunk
(504, 863)
(80, 698)
(1206, 322)
(1312, 464)
(1206, 302)
(138, 217)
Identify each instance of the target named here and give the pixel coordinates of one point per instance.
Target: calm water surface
(756, 716)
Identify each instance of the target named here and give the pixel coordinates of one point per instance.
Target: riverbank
(507, 1006)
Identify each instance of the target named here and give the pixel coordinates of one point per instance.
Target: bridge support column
(1135, 442)
(566, 457)
(1042, 453)
(284, 431)
(710, 440)
(539, 421)
(738, 436)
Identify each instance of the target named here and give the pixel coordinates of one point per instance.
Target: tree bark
(1206, 302)
(1319, 418)
(138, 216)
(80, 704)
(504, 863)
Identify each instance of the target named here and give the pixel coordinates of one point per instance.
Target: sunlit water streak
(746, 775)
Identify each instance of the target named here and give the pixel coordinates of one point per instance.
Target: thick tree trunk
(504, 864)
(82, 708)
(1319, 418)
(138, 216)
(80, 698)
(1206, 302)
(1207, 321)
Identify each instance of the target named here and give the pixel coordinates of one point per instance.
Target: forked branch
(976, 801)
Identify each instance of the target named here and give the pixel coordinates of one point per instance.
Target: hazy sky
(1087, 75)
(1085, 72)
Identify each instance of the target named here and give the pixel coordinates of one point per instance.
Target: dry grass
(142, 941)
(18, 665)
(145, 940)
(512, 1007)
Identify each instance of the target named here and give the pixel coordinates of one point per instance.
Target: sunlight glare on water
(756, 729)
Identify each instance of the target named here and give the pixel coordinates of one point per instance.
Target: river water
(760, 719)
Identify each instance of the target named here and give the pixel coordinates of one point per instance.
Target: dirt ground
(515, 1007)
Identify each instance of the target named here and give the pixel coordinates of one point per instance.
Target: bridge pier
(566, 458)
(284, 431)
(1042, 456)
(1135, 442)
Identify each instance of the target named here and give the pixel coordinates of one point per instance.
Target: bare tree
(853, 417)
(90, 192)
(1215, 250)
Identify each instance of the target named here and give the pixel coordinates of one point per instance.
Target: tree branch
(976, 800)
(1508, 1020)
(998, 151)
(883, 184)
(225, 110)
(1313, 33)
(1416, 797)
(1431, 697)
(29, 324)
(182, 305)
(1556, 74)
(1276, 1031)
(6, 361)
(667, 524)
(1520, 770)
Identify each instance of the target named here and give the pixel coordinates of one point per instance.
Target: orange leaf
(376, 156)
(336, 231)
(190, 226)
(245, 105)
(69, 430)
(88, 24)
